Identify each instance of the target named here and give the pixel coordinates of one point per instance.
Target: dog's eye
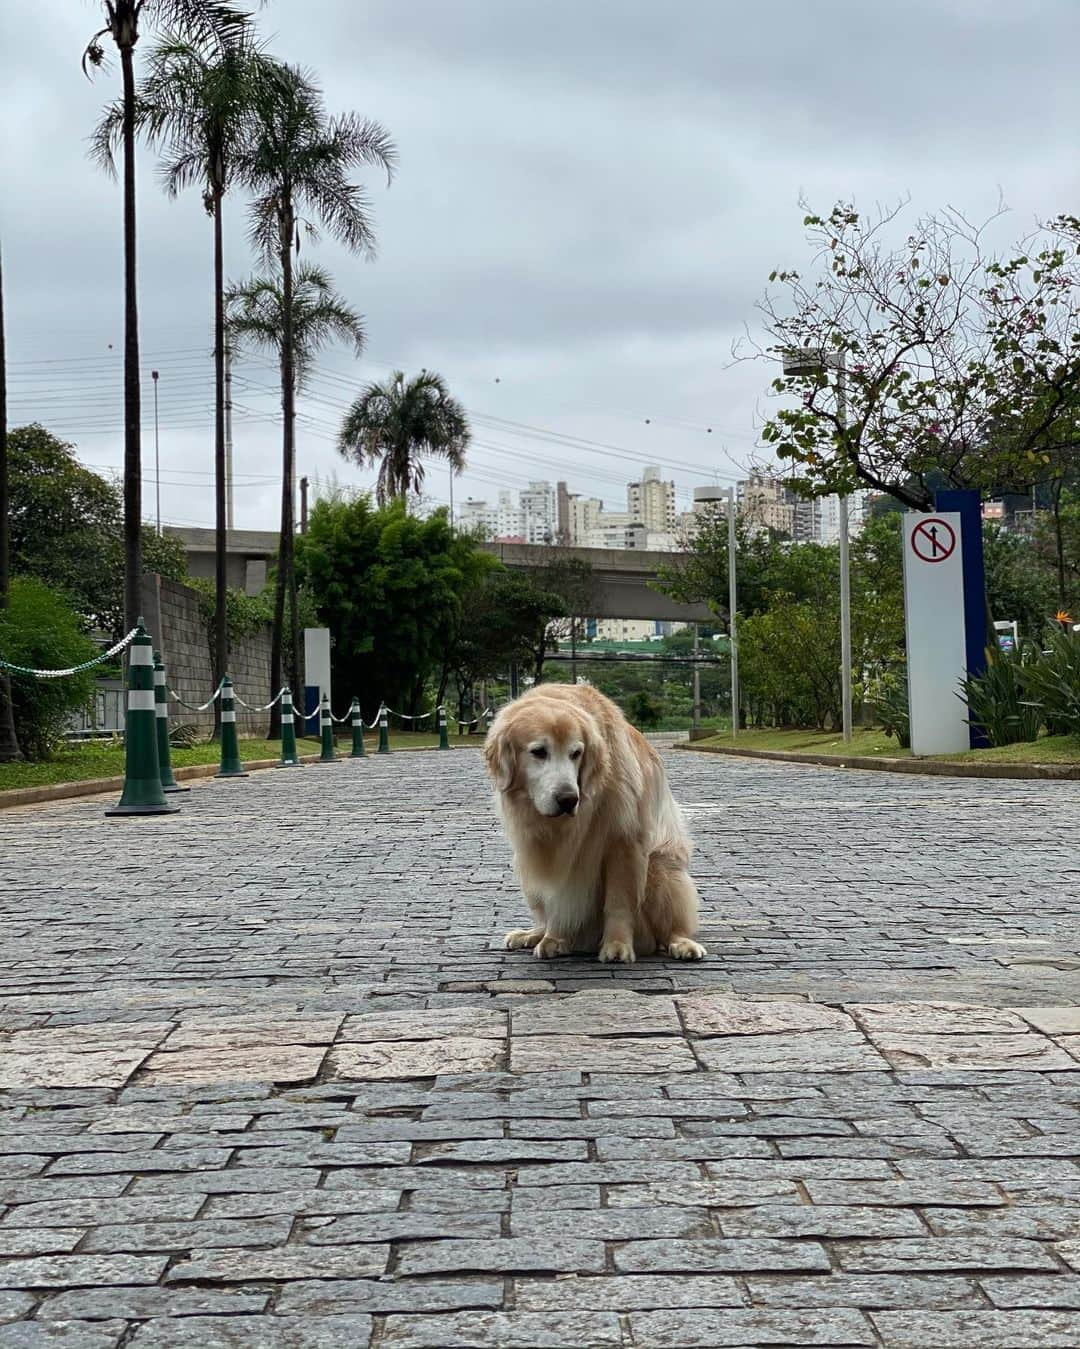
(539, 752)
(575, 755)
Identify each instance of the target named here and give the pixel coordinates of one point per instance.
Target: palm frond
(397, 422)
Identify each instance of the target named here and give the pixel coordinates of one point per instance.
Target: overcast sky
(590, 197)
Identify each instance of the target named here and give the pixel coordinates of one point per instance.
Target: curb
(941, 768)
(64, 791)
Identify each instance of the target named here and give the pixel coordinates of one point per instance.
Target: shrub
(1051, 683)
(40, 630)
(889, 702)
(996, 698)
(645, 709)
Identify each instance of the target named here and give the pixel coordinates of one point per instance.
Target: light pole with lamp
(714, 496)
(813, 361)
(157, 452)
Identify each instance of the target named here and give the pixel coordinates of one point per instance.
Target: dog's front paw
(622, 951)
(522, 937)
(685, 948)
(548, 947)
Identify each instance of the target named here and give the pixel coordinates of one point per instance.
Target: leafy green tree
(572, 581)
(208, 23)
(645, 710)
(397, 423)
(503, 619)
(389, 586)
(196, 104)
(40, 631)
(66, 528)
(313, 315)
(297, 166)
(927, 358)
(1018, 586)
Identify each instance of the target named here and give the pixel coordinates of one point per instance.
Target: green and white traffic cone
(326, 732)
(231, 767)
(384, 729)
(142, 794)
(440, 717)
(289, 757)
(161, 710)
(358, 751)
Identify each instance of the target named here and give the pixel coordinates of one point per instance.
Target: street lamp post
(713, 496)
(157, 452)
(808, 361)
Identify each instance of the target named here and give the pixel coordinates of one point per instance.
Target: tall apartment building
(764, 501)
(652, 501)
(531, 519)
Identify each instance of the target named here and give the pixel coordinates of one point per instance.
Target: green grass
(1049, 749)
(76, 762)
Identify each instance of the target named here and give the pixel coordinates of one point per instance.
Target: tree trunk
(132, 398)
(1059, 546)
(221, 630)
(9, 744)
(285, 587)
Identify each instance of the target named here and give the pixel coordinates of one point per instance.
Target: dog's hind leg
(671, 906)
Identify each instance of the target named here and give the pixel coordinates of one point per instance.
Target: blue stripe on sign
(968, 506)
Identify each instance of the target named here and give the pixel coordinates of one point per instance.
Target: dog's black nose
(567, 803)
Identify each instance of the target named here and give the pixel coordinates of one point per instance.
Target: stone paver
(263, 1093)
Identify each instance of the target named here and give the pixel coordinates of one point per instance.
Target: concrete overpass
(621, 579)
(621, 576)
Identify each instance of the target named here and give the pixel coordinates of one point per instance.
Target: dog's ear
(596, 760)
(499, 755)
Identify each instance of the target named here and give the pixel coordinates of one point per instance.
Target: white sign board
(936, 644)
(316, 666)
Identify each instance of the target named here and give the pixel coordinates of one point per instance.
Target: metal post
(303, 505)
(451, 498)
(229, 523)
(732, 618)
(513, 679)
(157, 451)
(697, 684)
(845, 574)
(573, 651)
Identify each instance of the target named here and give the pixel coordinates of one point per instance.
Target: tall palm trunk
(284, 584)
(221, 630)
(288, 520)
(9, 744)
(132, 399)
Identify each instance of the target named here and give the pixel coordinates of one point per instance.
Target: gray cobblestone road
(270, 1080)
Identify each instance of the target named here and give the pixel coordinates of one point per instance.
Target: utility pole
(303, 505)
(9, 744)
(229, 521)
(157, 451)
(732, 619)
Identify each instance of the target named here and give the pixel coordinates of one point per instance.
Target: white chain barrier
(74, 669)
(202, 706)
(265, 707)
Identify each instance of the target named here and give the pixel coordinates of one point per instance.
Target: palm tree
(201, 21)
(197, 103)
(9, 744)
(396, 423)
(260, 317)
(297, 169)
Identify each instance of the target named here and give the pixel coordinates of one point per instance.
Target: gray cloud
(591, 194)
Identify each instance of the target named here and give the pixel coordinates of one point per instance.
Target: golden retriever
(600, 846)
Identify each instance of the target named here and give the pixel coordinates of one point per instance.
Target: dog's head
(548, 752)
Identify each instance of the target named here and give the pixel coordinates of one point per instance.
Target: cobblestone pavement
(272, 1081)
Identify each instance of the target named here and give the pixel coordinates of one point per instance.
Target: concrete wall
(173, 619)
(621, 580)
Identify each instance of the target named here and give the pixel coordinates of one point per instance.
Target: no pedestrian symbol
(933, 540)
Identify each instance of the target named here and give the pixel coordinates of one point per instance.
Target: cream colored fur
(612, 877)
